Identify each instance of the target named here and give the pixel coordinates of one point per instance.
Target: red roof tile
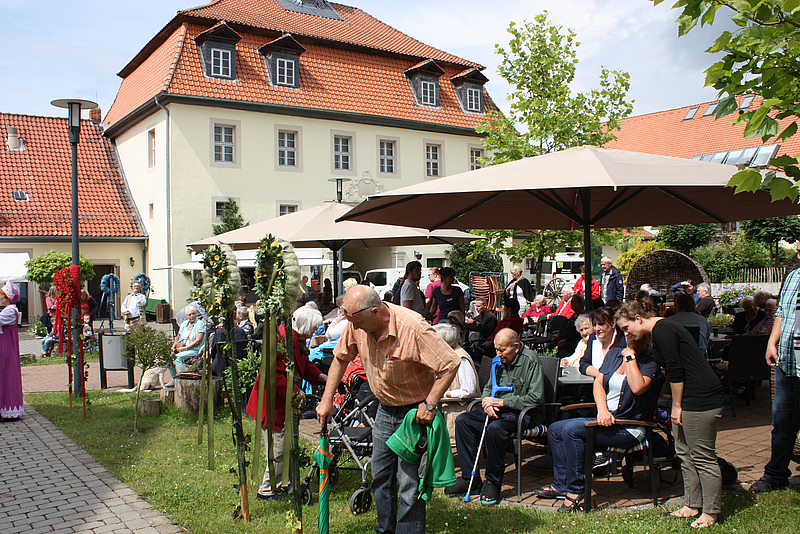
(44, 171)
(667, 134)
(363, 79)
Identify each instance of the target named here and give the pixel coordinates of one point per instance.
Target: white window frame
(151, 148)
(386, 156)
(380, 155)
(342, 155)
(433, 159)
(473, 98)
(287, 148)
(225, 141)
(217, 202)
(221, 63)
(427, 93)
(234, 143)
(286, 77)
(287, 209)
(283, 203)
(474, 153)
(281, 151)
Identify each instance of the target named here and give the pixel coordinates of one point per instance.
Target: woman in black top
(696, 406)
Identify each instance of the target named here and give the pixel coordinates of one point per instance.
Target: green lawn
(164, 464)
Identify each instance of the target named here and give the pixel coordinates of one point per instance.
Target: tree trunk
(150, 407)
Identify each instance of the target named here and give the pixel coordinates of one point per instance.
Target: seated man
(511, 319)
(484, 323)
(749, 318)
(564, 307)
(522, 371)
(688, 287)
(705, 305)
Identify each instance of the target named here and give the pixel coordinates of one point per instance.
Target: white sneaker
(171, 384)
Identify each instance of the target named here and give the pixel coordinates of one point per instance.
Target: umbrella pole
(588, 304)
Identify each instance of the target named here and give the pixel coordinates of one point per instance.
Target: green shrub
(37, 328)
(624, 262)
(721, 260)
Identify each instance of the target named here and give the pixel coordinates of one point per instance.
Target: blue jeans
(387, 470)
(785, 425)
(568, 443)
(180, 361)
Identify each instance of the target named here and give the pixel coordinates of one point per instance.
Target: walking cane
(495, 390)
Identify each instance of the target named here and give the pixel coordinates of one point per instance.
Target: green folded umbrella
(323, 457)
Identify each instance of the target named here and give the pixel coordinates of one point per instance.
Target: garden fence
(764, 275)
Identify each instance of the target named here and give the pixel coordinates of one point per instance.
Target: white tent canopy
(12, 266)
(247, 258)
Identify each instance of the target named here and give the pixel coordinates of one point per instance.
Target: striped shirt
(788, 310)
(404, 362)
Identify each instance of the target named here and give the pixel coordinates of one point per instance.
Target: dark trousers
(785, 425)
(469, 426)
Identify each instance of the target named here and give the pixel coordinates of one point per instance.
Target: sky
(74, 48)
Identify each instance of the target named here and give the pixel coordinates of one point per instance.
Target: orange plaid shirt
(402, 365)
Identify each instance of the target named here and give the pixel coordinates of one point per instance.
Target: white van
(383, 280)
(565, 265)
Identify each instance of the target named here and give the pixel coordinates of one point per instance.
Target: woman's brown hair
(642, 306)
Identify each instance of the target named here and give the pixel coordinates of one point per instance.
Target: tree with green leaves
(771, 231)
(761, 57)
(150, 348)
(230, 218)
(465, 258)
(547, 116)
(41, 268)
(685, 237)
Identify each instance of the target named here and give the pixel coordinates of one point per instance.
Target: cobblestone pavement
(49, 484)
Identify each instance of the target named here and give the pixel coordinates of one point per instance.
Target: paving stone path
(49, 484)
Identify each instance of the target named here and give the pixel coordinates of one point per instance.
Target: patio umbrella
(317, 227)
(323, 458)
(579, 187)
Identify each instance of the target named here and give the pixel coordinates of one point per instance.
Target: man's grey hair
(484, 300)
(748, 299)
(448, 333)
(567, 290)
(364, 298)
(606, 259)
(705, 287)
(306, 320)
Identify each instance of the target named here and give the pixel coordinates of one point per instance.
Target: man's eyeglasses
(348, 314)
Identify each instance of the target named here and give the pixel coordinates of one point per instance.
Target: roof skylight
(712, 107)
(746, 101)
(691, 113)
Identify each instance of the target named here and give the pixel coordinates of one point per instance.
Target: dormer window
(218, 51)
(424, 81)
(469, 89)
(285, 71)
(21, 196)
(282, 60)
(220, 62)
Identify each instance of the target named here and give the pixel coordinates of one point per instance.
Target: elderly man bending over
(408, 367)
(522, 371)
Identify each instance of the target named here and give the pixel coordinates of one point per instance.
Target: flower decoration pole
(278, 287)
(221, 284)
(65, 301)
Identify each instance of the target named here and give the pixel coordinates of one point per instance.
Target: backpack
(730, 475)
(396, 294)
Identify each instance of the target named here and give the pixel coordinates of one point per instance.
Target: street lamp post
(74, 106)
(338, 269)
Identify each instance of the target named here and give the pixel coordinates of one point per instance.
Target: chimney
(95, 115)
(13, 138)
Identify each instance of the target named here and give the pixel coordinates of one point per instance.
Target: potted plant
(731, 296)
(722, 320)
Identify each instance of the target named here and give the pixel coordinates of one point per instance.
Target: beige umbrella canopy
(579, 187)
(317, 227)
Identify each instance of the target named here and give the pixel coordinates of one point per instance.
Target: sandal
(572, 505)
(548, 492)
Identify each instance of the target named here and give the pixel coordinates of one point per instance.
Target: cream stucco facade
(168, 160)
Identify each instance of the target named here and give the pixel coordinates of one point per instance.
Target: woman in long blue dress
(10, 373)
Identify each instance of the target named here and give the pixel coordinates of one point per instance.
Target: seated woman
(191, 339)
(606, 335)
(625, 388)
(465, 384)
(538, 309)
(765, 326)
(584, 326)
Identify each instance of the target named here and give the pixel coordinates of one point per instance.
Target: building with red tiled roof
(36, 205)
(264, 100)
(693, 132)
